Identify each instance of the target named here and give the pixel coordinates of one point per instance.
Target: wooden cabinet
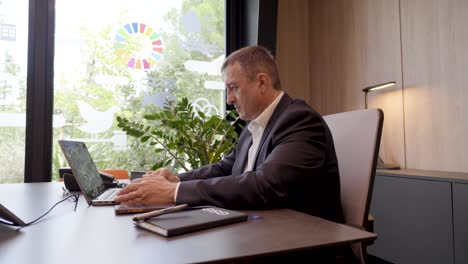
(460, 222)
(420, 216)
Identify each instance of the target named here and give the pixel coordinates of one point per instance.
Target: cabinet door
(460, 220)
(413, 220)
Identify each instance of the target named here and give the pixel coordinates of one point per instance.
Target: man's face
(244, 94)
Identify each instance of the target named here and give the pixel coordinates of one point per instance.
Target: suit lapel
(242, 152)
(282, 105)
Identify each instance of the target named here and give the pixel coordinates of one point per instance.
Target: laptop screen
(83, 167)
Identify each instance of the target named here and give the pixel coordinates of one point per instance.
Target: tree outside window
(128, 61)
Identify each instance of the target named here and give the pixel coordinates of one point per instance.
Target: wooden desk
(97, 235)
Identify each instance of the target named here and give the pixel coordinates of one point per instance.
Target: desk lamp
(380, 163)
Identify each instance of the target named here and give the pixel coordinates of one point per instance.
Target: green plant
(186, 138)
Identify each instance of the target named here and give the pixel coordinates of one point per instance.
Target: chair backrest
(356, 135)
(119, 174)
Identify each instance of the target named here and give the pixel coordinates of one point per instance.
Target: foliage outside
(169, 75)
(186, 138)
(99, 59)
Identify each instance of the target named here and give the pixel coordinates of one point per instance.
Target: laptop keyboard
(109, 194)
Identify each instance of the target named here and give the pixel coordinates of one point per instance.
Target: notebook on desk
(86, 174)
(190, 220)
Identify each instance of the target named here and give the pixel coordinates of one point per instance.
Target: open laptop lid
(83, 167)
(9, 218)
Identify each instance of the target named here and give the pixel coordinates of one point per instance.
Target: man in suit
(284, 158)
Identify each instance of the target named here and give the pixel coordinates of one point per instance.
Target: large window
(62, 59)
(13, 67)
(126, 58)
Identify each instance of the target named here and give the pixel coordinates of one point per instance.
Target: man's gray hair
(254, 60)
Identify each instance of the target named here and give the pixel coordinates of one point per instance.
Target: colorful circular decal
(138, 46)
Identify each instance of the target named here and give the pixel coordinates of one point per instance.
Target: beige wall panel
(347, 45)
(435, 62)
(334, 57)
(381, 62)
(293, 47)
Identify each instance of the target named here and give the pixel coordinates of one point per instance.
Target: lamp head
(378, 86)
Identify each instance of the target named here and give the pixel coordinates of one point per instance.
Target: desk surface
(97, 235)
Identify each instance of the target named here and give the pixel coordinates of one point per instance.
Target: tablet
(9, 218)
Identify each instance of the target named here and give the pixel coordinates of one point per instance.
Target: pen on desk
(160, 212)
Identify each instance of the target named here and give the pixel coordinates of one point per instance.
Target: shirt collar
(262, 120)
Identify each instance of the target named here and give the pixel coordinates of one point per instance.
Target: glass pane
(126, 58)
(13, 66)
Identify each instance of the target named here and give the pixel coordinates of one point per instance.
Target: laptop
(9, 218)
(86, 174)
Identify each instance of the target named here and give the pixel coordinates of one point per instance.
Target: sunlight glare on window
(13, 70)
(121, 58)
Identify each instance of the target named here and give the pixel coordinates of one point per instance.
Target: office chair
(356, 135)
(119, 174)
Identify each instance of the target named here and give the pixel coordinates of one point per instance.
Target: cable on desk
(76, 196)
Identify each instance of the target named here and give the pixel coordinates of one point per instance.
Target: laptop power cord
(74, 196)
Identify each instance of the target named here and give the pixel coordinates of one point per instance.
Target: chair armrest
(370, 223)
(370, 227)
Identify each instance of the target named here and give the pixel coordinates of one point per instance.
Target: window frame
(39, 95)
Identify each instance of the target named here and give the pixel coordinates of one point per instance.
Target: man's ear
(264, 82)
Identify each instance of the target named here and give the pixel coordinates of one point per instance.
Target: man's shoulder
(295, 104)
(299, 107)
(300, 103)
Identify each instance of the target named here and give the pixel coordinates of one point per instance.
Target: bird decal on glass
(96, 121)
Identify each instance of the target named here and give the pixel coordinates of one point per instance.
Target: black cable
(76, 201)
(76, 196)
(64, 199)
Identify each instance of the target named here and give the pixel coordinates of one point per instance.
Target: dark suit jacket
(296, 167)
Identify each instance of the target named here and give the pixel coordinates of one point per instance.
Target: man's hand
(153, 190)
(163, 172)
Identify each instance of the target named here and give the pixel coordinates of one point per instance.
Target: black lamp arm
(365, 98)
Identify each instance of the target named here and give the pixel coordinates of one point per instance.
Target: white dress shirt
(256, 128)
